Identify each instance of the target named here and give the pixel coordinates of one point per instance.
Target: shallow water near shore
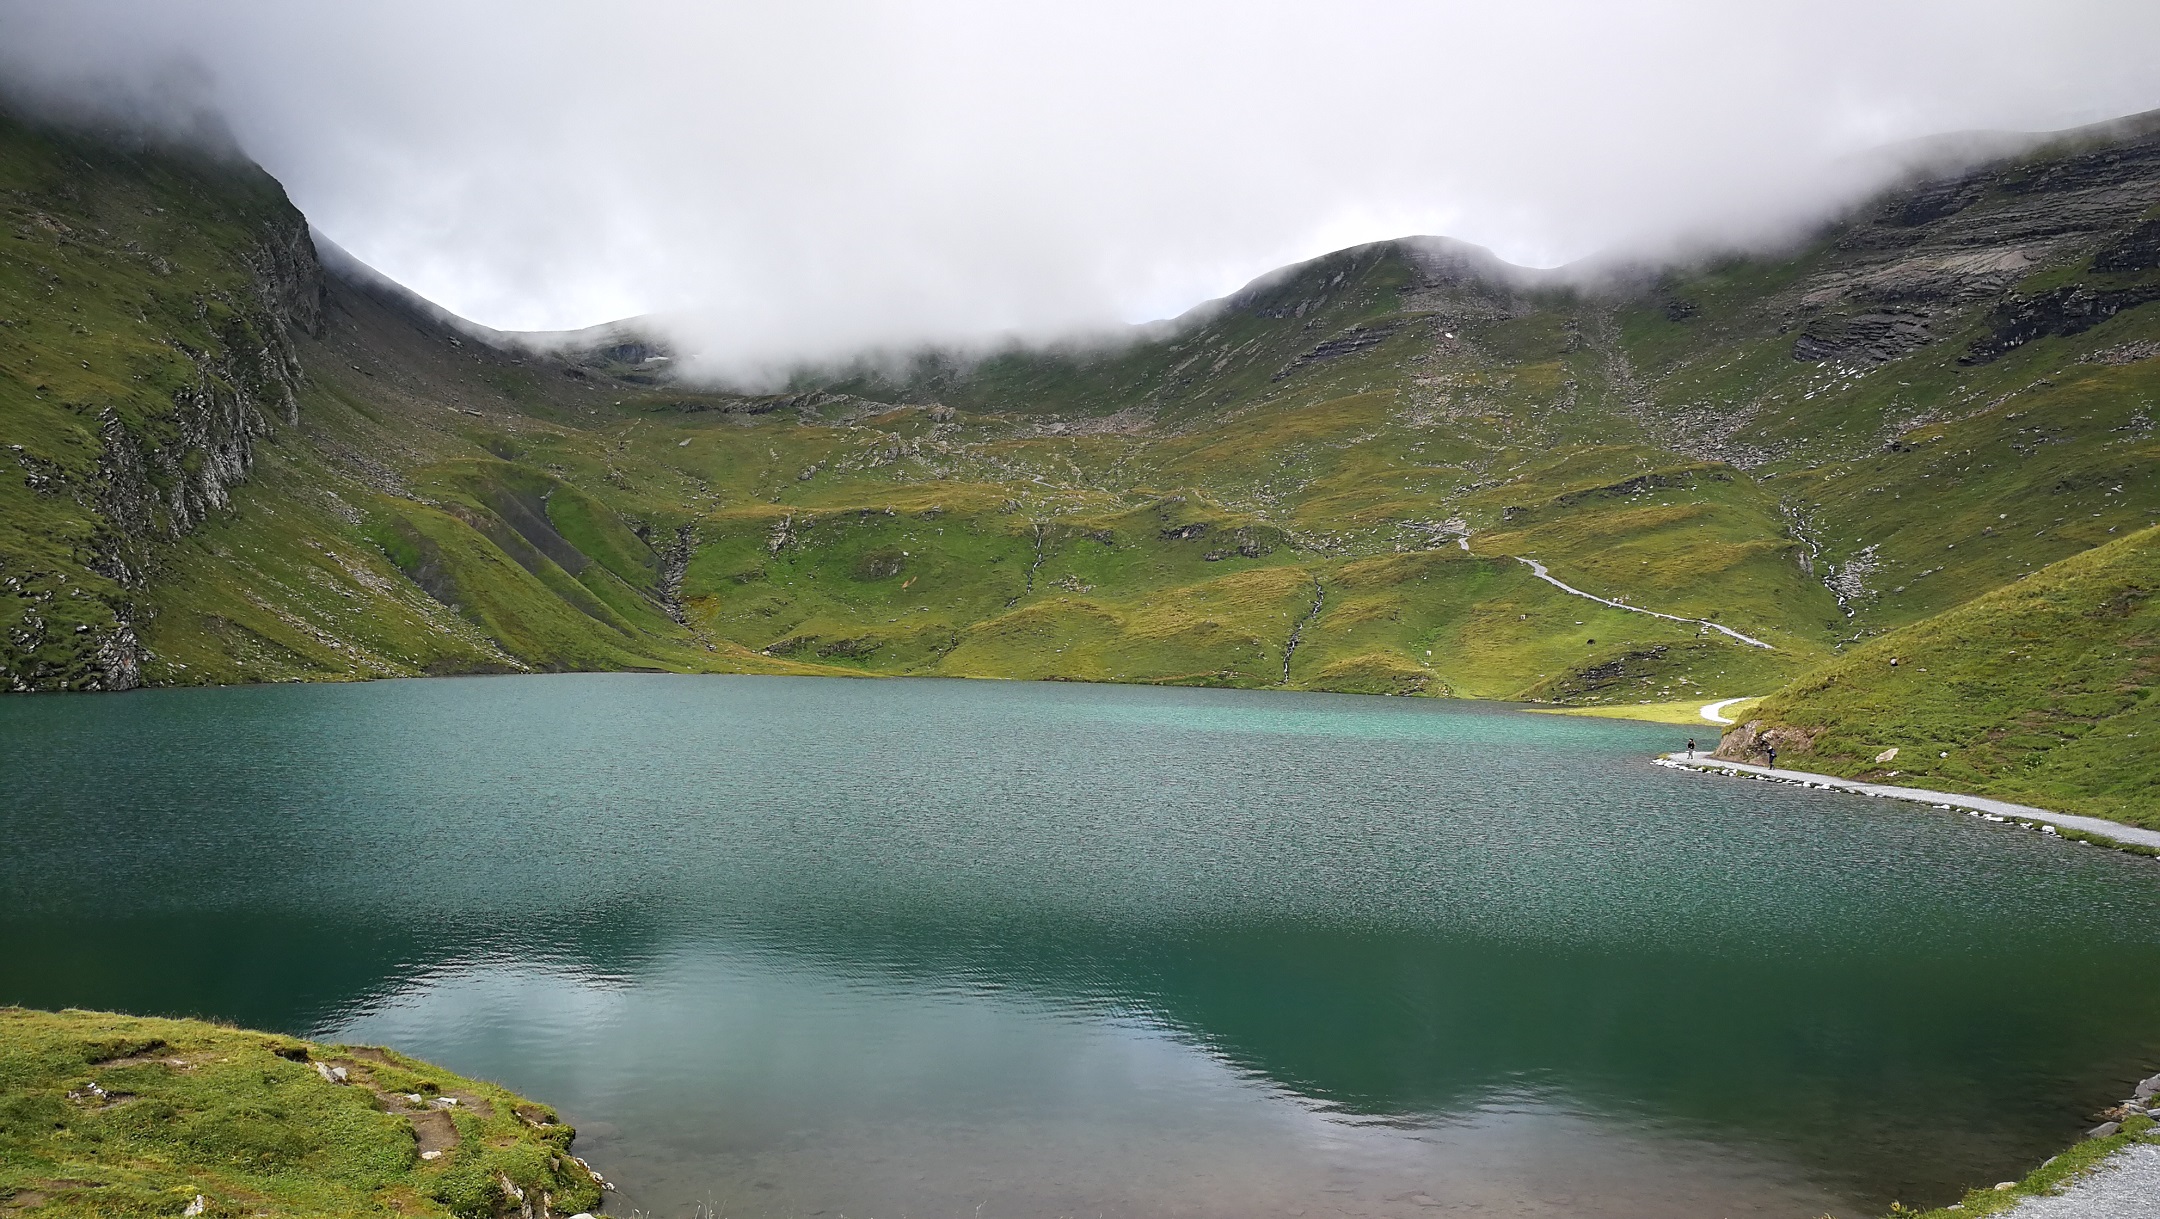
(926, 948)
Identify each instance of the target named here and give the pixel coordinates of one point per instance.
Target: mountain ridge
(245, 456)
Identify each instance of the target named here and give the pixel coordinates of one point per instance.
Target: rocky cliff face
(171, 356)
(1905, 270)
(158, 481)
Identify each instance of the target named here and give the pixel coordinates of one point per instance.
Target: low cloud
(804, 180)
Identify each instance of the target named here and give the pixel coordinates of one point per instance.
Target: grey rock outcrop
(161, 474)
(1876, 338)
(1912, 271)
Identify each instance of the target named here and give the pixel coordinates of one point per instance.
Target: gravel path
(2125, 1186)
(1538, 569)
(1979, 804)
(1715, 712)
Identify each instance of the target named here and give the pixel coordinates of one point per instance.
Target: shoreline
(2109, 1174)
(2095, 831)
(2110, 1171)
(2076, 827)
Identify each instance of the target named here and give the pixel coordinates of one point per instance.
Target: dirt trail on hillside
(1538, 569)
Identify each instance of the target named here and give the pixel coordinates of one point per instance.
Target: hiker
(1772, 749)
(1691, 749)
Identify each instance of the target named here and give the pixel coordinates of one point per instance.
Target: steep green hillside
(145, 307)
(108, 1115)
(278, 465)
(2041, 691)
(212, 438)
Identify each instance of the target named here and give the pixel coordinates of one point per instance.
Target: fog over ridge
(806, 183)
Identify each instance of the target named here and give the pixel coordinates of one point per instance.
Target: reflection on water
(764, 1087)
(803, 947)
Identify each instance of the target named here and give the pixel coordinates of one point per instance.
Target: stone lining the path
(1993, 810)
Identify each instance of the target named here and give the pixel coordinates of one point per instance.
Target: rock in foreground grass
(111, 1115)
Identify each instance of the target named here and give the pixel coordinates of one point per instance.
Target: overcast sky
(806, 177)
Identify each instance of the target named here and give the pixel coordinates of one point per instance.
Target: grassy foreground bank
(111, 1115)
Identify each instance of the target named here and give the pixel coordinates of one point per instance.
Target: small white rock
(430, 1155)
(198, 1206)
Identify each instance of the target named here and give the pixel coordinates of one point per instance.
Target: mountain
(244, 456)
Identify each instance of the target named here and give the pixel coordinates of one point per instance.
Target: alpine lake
(819, 947)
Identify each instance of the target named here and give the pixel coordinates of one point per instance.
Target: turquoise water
(799, 947)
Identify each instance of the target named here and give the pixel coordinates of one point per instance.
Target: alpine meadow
(1901, 478)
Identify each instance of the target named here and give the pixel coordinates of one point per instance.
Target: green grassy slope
(207, 447)
(142, 347)
(1325, 481)
(107, 1115)
(2040, 691)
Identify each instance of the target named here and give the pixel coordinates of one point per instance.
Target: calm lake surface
(885, 948)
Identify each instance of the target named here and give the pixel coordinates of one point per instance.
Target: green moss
(110, 1115)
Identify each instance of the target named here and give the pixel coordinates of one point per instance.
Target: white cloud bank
(811, 177)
